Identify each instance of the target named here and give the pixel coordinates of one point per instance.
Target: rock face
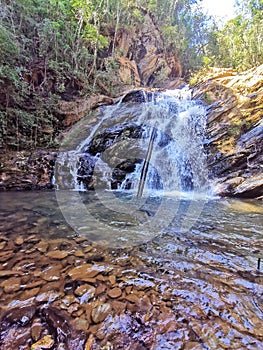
(143, 61)
(234, 141)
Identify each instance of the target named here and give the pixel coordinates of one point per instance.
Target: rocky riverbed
(60, 291)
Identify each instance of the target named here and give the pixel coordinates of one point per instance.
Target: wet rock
(115, 293)
(48, 296)
(85, 292)
(59, 324)
(112, 279)
(89, 343)
(19, 241)
(57, 254)
(234, 137)
(86, 271)
(118, 306)
(53, 273)
(100, 312)
(19, 315)
(36, 329)
(132, 298)
(6, 273)
(2, 245)
(45, 343)
(42, 246)
(100, 289)
(81, 324)
(250, 188)
(11, 285)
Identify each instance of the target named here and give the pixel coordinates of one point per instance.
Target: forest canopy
(61, 49)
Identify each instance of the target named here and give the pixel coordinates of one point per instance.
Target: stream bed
(108, 281)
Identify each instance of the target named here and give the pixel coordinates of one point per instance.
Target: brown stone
(42, 246)
(100, 289)
(81, 324)
(87, 290)
(89, 342)
(112, 279)
(36, 329)
(11, 285)
(57, 254)
(73, 308)
(100, 312)
(87, 271)
(52, 286)
(29, 293)
(6, 273)
(53, 273)
(128, 289)
(48, 296)
(19, 240)
(114, 293)
(132, 298)
(69, 299)
(78, 253)
(6, 255)
(33, 284)
(118, 306)
(87, 249)
(2, 245)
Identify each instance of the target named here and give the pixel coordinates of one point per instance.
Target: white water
(178, 162)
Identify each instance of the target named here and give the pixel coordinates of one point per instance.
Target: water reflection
(206, 276)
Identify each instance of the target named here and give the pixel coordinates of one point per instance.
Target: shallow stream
(194, 283)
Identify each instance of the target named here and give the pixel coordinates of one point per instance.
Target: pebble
(36, 329)
(132, 298)
(42, 246)
(7, 273)
(19, 241)
(2, 245)
(87, 271)
(100, 312)
(85, 290)
(53, 273)
(49, 296)
(57, 254)
(112, 279)
(115, 293)
(11, 285)
(81, 324)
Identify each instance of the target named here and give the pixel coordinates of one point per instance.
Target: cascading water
(144, 158)
(114, 154)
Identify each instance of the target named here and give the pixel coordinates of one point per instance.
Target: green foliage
(57, 49)
(239, 43)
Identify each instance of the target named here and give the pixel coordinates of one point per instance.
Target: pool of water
(200, 256)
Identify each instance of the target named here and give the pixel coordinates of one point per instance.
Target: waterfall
(113, 155)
